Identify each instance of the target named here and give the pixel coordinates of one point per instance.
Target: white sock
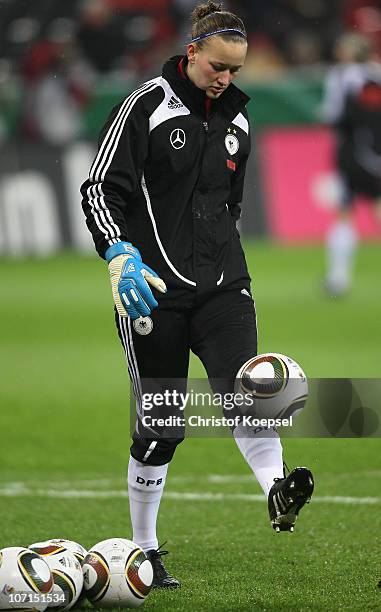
(263, 453)
(341, 245)
(145, 488)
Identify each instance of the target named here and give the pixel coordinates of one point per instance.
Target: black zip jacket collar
(231, 101)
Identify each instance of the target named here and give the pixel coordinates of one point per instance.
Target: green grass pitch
(64, 439)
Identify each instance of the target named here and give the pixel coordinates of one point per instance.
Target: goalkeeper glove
(129, 281)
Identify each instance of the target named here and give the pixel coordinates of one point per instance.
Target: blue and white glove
(129, 281)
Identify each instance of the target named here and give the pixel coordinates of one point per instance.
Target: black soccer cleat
(161, 578)
(287, 497)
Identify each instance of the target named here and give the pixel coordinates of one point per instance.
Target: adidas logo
(174, 103)
(245, 292)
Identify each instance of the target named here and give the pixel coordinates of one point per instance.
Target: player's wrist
(121, 248)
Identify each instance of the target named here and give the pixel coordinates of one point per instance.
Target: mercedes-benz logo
(177, 138)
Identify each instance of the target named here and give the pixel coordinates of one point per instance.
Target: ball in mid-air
(275, 384)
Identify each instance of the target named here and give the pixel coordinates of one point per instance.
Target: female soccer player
(164, 191)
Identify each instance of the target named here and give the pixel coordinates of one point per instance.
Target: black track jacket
(170, 182)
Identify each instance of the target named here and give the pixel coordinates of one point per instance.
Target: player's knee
(155, 452)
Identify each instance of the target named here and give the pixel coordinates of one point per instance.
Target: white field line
(107, 484)
(110, 482)
(21, 490)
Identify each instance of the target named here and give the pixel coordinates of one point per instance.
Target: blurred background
(63, 65)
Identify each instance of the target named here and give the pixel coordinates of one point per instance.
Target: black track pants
(220, 330)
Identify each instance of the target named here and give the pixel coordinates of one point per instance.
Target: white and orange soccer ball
(26, 581)
(275, 384)
(117, 574)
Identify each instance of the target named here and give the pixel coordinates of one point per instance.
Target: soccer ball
(117, 574)
(25, 579)
(275, 384)
(58, 544)
(66, 571)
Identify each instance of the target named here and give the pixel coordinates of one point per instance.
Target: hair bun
(209, 18)
(202, 10)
